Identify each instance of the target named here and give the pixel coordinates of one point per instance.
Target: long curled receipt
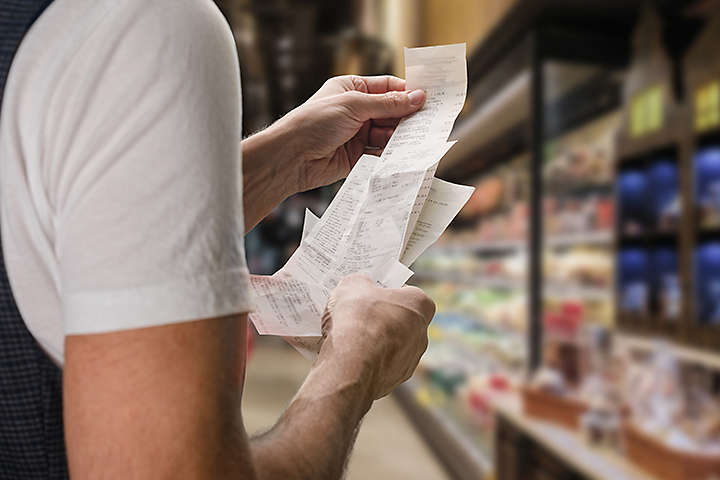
(388, 211)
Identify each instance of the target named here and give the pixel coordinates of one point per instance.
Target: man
(122, 226)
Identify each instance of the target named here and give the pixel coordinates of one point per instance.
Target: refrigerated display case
(590, 235)
(535, 241)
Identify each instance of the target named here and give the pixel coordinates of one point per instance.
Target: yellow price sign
(647, 111)
(707, 106)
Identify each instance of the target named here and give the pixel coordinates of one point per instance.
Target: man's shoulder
(73, 28)
(79, 48)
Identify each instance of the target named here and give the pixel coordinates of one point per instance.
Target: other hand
(384, 329)
(348, 116)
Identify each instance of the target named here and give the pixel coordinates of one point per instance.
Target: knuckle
(412, 289)
(425, 304)
(412, 294)
(430, 306)
(357, 83)
(395, 100)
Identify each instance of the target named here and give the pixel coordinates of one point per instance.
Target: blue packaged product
(663, 179)
(633, 280)
(707, 185)
(707, 268)
(633, 196)
(666, 282)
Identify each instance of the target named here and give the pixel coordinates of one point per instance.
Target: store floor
(387, 447)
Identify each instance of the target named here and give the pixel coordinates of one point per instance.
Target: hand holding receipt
(388, 211)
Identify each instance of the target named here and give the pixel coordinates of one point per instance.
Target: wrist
(270, 160)
(347, 374)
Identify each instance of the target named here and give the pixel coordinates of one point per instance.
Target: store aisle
(388, 446)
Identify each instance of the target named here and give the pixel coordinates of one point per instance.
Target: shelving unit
(516, 104)
(646, 345)
(675, 135)
(530, 97)
(702, 74)
(591, 462)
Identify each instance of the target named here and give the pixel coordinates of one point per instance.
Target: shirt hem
(209, 296)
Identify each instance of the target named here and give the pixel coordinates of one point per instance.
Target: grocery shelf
(501, 282)
(475, 280)
(508, 107)
(577, 292)
(578, 188)
(496, 246)
(599, 238)
(454, 448)
(558, 290)
(596, 238)
(437, 276)
(593, 462)
(487, 246)
(684, 353)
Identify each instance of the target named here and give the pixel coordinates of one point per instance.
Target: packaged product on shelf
(549, 380)
(600, 390)
(582, 158)
(578, 214)
(601, 427)
(633, 198)
(633, 280)
(581, 266)
(662, 406)
(666, 282)
(663, 177)
(487, 196)
(594, 311)
(481, 392)
(707, 185)
(707, 267)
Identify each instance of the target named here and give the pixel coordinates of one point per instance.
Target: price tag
(646, 111)
(707, 106)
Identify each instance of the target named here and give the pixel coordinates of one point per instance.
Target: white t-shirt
(120, 169)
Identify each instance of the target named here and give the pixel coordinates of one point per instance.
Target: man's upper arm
(147, 193)
(160, 402)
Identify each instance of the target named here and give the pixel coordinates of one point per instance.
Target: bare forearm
(269, 171)
(313, 438)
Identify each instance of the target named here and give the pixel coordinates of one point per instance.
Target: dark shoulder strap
(31, 432)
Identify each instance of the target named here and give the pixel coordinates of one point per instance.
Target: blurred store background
(577, 333)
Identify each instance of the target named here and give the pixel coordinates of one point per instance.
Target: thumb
(391, 104)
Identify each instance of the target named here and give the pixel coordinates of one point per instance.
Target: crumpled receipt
(388, 211)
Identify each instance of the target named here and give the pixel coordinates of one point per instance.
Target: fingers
(383, 83)
(416, 299)
(425, 303)
(384, 105)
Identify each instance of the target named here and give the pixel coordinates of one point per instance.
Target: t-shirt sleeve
(146, 176)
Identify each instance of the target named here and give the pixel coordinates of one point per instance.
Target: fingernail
(416, 97)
